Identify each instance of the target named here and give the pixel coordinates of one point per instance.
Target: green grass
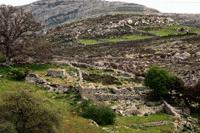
(65, 102)
(88, 41)
(169, 30)
(145, 119)
(114, 39)
(172, 30)
(72, 123)
(196, 30)
(127, 38)
(136, 124)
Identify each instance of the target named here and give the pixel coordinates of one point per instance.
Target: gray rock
(55, 12)
(198, 54)
(57, 73)
(34, 78)
(182, 56)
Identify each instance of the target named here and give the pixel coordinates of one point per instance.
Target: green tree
(27, 113)
(159, 80)
(15, 23)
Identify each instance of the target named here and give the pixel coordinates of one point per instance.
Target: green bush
(18, 73)
(25, 112)
(6, 127)
(102, 115)
(159, 80)
(176, 84)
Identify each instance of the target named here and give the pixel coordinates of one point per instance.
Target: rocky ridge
(53, 12)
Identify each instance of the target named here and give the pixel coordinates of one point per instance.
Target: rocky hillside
(109, 26)
(54, 12)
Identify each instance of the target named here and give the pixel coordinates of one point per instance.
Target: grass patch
(166, 31)
(132, 124)
(88, 41)
(173, 30)
(140, 120)
(114, 40)
(127, 38)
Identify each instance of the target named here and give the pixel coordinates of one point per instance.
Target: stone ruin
(57, 73)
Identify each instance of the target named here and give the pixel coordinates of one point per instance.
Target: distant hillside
(53, 12)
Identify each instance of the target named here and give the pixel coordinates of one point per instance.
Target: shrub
(6, 127)
(27, 113)
(159, 80)
(102, 115)
(18, 73)
(177, 84)
(193, 93)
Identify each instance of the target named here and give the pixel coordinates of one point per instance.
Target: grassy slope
(73, 123)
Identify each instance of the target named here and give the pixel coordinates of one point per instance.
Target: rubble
(57, 73)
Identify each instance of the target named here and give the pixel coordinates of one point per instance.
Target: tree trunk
(8, 57)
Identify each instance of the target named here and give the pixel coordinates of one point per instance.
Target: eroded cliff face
(53, 12)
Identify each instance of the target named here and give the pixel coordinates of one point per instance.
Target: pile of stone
(124, 101)
(57, 73)
(35, 79)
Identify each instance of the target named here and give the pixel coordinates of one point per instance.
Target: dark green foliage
(6, 127)
(18, 73)
(176, 84)
(27, 113)
(193, 93)
(102, 115)
(159, 80)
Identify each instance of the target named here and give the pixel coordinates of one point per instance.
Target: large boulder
(198, 54)
(57, 73)
(182, 56)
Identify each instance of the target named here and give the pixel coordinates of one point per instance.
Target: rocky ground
(178, 54)
(108, 26)
(111, 87)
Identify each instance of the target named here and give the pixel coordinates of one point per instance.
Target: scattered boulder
(93, 123)
(198, 54)
(182, 56)
(35, 79)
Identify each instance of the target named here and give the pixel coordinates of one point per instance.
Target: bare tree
(14, 25)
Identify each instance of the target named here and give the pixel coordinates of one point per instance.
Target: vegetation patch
(162, 82)
(26, 112)
(88, 41)
(174, 30)
(102, 115)
(113, 40)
